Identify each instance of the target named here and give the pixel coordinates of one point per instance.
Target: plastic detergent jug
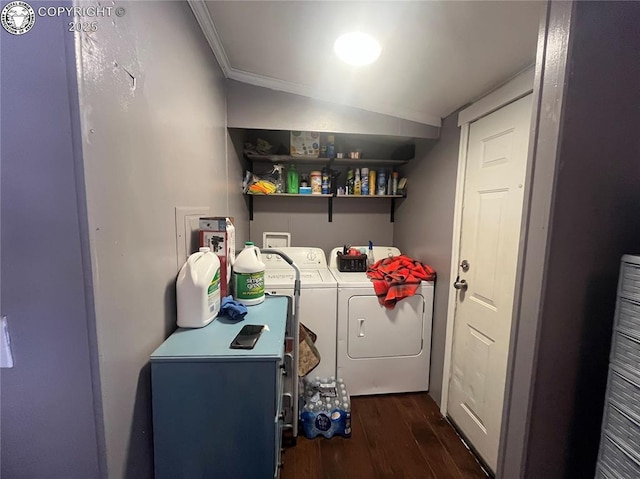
(198, 289)
(248, 276)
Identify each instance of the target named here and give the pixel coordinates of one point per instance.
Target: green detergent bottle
(292, 180)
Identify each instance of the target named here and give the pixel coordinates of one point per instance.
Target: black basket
(352, 263)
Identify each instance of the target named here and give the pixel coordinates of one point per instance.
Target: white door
(490, 233)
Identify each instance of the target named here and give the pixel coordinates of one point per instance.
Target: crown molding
(207, 25)
(201, 12)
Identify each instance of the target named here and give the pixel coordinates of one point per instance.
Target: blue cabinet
(218, 412)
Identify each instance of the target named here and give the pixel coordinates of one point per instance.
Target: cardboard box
(219, 234)
(305, 144)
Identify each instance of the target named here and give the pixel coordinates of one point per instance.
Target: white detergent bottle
(248, 276)
(198, 289)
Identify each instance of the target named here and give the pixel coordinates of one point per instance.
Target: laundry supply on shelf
(398, 277)
(292, 180)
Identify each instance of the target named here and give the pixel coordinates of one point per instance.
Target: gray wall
(594, 221)
(355, 221)
(256, 107)
(150, 144)
(47, 414)
(238, 207)
(424, 227)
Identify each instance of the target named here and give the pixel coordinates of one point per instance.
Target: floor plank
(341, 455)
(302, 460)
(432, 449)
(393, 436)
(394, 451)
(466, 463)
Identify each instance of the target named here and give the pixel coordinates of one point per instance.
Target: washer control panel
(304, 257)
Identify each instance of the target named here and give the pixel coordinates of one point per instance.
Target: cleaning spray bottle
(278, 175)
(370, 258)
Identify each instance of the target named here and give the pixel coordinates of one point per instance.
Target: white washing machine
(382, 350)
(318, 297)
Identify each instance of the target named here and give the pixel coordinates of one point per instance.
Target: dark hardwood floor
(393, 436)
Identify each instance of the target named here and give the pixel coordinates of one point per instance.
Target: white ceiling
(436, 55)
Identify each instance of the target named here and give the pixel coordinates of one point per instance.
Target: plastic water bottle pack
(327, 408)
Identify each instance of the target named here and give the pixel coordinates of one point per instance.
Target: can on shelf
(365, 181)
(382, 182)
(372, 181)
(316, 182)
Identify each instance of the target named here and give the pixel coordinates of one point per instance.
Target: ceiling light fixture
(357, 48)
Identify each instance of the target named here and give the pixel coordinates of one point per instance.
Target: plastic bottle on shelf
(331, 146)
(365, 181)
(292, 180)
(278, 176)
(357, 185)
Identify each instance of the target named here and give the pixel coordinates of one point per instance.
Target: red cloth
(398, 277)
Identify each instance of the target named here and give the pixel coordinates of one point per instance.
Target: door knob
(460, 284)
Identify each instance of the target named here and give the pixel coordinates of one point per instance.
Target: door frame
(516, 88)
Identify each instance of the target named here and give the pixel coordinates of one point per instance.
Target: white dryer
(318, 297)
(382, 350)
